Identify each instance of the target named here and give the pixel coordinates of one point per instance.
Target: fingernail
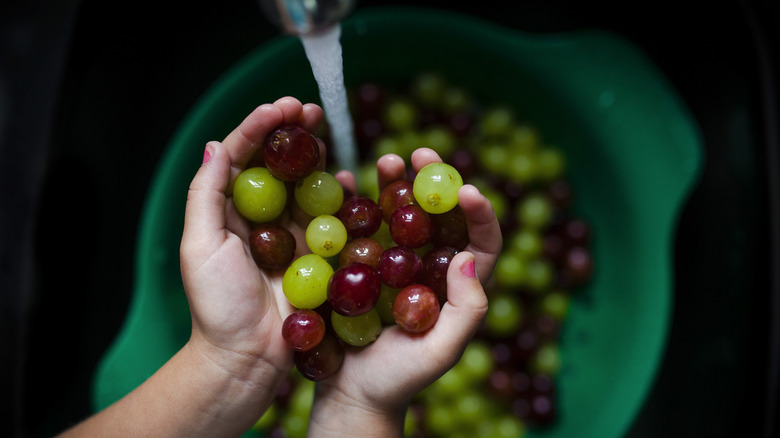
(468, 269)
(207, 154)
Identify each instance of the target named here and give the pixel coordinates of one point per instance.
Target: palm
(398, 365)
(235, 305)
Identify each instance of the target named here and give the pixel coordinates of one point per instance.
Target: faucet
(305, 17)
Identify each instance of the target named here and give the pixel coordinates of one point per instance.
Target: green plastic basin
(634, 155)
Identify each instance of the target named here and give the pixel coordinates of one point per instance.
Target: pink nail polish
(206, 155)
(468, 269)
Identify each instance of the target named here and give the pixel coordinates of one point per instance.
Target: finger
(347, 180)
(242, 143)
(424, 156)
(464, 311)
(204, 215)
(291, 108)
(389, 168)
(311, 117)
(485, 239)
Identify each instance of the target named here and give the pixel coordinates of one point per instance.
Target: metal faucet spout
(304, 17)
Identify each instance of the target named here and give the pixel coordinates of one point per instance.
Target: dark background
(91, 92)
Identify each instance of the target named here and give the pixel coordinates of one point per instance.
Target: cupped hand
(387, 373)
(237, 309)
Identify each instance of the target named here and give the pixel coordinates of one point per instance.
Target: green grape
(319, 193)
(411, 423)
(295, 420)
(526, 242)
(453, 383)
(440, 139)
(302, 398)
(497, 122)
(547, 359)
(477, 361)
(497, 199)
(535, 210)
(258, 195)
(551, 164)
(358, 330)
(523, 138)
(493, 157)
(471, 407)
(436, 187)
(305, 283)
(511, 269)
(383, 236)
(455, 99)
(326, 235)
(521, 167)
(440, 419)
(294, 425)
(504, 315)
(539, 274)
(400, 114)
(408, 141)
(388, 144)
(367, 181)
(268, 418)
(428, 88)
(507, 426)
(555, 304)
(384, 305)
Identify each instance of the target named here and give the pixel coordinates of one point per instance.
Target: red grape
(354, 289)
(464, 162)
(361, 216)
(578, 265)
(434, 270)
(399, 266)
(416, 308)
(361, 249)
(450, 229)
(411, 226)
(272, 246)
(322, 361)
(369, 98)
(576, 232)
(303, 329)
(291, 153)
(397, 193)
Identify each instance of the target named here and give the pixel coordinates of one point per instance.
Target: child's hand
(375, 383)
(237, 309)
(229, 372)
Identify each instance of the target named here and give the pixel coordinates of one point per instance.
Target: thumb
(465, 309)
(204, 215)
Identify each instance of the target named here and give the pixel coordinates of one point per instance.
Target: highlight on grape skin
(291, 153)
(326, 235)
(303, 329)
(436, 187)
(354, 289)
(305, 282)
(416, 308)
(258, 195)
(272, 246)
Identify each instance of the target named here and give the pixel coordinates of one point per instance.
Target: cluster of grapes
(505, 381)
(350, 286)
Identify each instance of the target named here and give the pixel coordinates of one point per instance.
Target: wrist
(336, 414)
(241, 368)
(241, 386)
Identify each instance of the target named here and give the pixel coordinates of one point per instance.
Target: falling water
(324, 53)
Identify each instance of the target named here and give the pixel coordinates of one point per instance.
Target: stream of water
(325, 56)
